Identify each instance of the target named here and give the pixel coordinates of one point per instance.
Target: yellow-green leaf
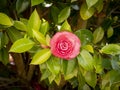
(41, 56)
(98, 35)
(5, 20)
(36, 2)
(65, 26)
(112, 49)
(86, 13)
(90, 3)
(110, 32)
(21, 45)
(20, 25)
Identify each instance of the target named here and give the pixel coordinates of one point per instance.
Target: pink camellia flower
(65, 45)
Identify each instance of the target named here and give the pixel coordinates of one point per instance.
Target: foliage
(26, 27)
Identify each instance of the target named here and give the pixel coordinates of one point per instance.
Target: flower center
(64, 47)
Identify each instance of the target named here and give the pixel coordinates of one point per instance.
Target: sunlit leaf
(57, 79)
(41, 57)
(22, 5)
(44, 27)
(86, 13)
(65, 26)
(20, 25)
(40, 37)
(21, 45)
(51, 78)
(91, 3)
(36, 2)
(33, 23)
(89, 48)
(5, 20)
(64, 14)
(112, 49)
(98, 35)
(45, 74)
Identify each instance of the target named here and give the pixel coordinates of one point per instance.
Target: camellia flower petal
(65, 45)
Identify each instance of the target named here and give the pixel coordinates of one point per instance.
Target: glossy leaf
(65, 26)
(91, 3)
(20, 25)
(64, 14)
(22, 5)
(34, 22)
(98, 35)
(91, 78)
(36, 2)
(112, 49)
(14, 34)
(21, 45)
(4, 56)
(5, 20)
(110, 32)
(44, 27)
(40, 37)
(48, 40)
(53, 65)
(86, 13)
(85, 60)
(85, 36)
(41, 57)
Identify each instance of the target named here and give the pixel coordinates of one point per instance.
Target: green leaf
(68, 67)
(21, 45)
(86, 13)
(40, 37)
(89, 48)
(34, 23)
(98, 63)
(85, 60)
(22, 5)
(24, 20)
(4, 56)
(98, 35)
(5, 20)
(44, 27)
(85, 36)
(45, 74)
(51, 78)
(64, 14)
(112, 49)
(99, 5)
(105, 81)
(114, 77)
(90, 3)
(91, 78)
(36, 2)
(57, 79)
(41, 57)
(20, 25)
(110, 32)
(53, 65)
(14, 34)
(54, 14)
(65, 26)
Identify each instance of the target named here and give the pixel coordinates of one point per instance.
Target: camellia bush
(60, 44)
